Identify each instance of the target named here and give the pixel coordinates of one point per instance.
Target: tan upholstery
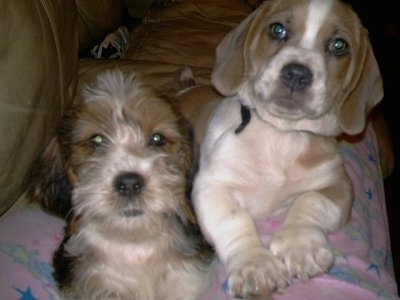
(38, 66)
(38, 74)
(97, 19)
(172, 35)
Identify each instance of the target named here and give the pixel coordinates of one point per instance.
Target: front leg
(302, 241)
(253, 271)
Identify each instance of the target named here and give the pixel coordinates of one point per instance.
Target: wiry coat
(125, 156)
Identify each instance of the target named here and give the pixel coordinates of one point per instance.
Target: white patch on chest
(268, 174)
(318, 10)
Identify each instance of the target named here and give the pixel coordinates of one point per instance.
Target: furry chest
(271, 173)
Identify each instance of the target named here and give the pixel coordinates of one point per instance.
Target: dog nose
(296, 76)
(129, 184)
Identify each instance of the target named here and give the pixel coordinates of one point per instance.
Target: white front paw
(305, 250)
(256, 273)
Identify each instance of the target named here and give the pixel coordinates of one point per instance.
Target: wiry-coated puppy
(131, 233)
(296, 74)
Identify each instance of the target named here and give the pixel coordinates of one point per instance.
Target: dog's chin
(286, 109)
(286, 104)
(131, 212)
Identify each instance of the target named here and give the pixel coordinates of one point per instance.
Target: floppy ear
(229, 67)
(366, 90)
(51, 181)
(49, 185)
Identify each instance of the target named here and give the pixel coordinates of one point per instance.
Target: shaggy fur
(119, 168)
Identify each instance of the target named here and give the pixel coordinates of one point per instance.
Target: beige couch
(40, 42)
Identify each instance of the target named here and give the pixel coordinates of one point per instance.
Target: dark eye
(338, 47)
(278, 32)
(157, 139)
(96, 141)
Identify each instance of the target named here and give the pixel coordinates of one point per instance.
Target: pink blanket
(363, 268)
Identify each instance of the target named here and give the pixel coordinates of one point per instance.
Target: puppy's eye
(157, 139)
(338, 47)
(278, 32)
(96, 141)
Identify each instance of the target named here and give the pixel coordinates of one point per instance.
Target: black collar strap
(246, 116)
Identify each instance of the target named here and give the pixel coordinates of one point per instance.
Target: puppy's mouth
(131, 212)
(290, 106)
(282, 102)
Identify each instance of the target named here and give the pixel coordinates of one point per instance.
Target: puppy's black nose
(129, 184)
(296, 76)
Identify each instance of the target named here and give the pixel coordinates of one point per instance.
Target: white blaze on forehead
(317, 12)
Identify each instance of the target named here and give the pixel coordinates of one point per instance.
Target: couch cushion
(192, 29)
(38, 56)
(96, 19)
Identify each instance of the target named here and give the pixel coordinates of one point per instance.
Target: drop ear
(51, 181)
(365, 92)
(230, 66)
(49, 185)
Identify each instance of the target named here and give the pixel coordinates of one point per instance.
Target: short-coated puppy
(120, 169)
(296, 75)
